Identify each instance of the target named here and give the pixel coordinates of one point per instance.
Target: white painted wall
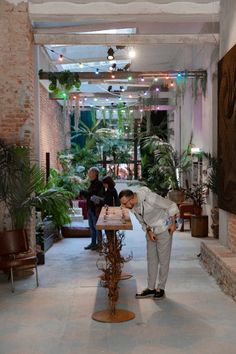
(227, 41)
(227, 25)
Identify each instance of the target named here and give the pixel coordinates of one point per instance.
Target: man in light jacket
(157, 218)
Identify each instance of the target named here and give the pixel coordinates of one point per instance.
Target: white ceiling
(166, 35)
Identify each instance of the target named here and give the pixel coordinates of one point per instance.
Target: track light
(126, 67)
(109, 88)
(110, 54)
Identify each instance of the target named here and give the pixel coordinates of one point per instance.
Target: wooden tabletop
(114, 218)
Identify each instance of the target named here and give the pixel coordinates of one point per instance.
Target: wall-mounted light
(110, 54)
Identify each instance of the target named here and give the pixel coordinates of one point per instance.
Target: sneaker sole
(159, 298)
(144, 297)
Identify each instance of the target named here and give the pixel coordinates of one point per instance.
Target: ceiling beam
(131, 39)
(85, 28)
(124, 75)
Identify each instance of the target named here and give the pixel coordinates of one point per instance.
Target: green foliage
(213, 173)
(167, 162)
(69, 181)
(197, 193)
(23, 187)
(54, 203)
(66, 79)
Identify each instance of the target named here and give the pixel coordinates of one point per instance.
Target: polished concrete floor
(195, 317)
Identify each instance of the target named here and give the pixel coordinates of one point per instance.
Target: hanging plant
(61, 83)
(199, 85)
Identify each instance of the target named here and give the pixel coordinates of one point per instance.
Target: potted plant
(199, 222)
(170, 164)
(23, 188)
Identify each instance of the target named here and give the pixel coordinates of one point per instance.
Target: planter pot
(199, 225)
(41, 258)
(197, 210)
(176, 196)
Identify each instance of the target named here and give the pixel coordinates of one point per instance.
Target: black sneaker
(145, 293)
(160, 293)
(95, 247)
(89, 247)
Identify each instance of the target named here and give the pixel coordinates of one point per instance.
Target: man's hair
(94, 169)
(126, 193)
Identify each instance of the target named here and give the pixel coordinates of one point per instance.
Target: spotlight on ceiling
(127, 67)
(120, 47)
(110, 54)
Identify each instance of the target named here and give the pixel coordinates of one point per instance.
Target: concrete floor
(195, 317)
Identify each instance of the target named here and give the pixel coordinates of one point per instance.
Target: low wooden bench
(76, 229)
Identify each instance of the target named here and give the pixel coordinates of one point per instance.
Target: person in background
(93, 195)
(111, 195)
(157, 218)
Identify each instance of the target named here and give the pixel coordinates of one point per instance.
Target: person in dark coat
(111, 195)
(94, 196)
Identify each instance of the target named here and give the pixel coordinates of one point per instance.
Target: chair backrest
(13, 241)
(186, 208)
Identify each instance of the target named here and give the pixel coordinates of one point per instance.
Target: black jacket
(111, 197)
(95, 188)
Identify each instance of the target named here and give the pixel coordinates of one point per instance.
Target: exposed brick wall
(54, 129)
(220, 262)
(232, 232)
(16, 68)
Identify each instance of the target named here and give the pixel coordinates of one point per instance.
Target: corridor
(195, 317)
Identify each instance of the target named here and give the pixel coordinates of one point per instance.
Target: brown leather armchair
(15, 253)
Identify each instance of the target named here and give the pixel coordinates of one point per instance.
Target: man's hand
(152, 236)
(172, 228)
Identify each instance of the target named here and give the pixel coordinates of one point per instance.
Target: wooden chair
(185, 213)
(15, 253)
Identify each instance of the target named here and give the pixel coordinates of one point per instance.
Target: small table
(112, 219)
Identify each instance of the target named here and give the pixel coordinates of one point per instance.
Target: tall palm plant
(23, 187)
(168, 162)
